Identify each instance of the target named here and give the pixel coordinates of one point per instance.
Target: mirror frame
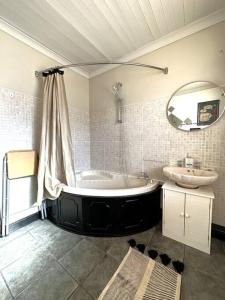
(174, 93)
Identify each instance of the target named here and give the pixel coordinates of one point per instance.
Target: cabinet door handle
(181, 214)
(187, 216)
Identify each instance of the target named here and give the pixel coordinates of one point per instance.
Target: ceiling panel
(189, 11)
(102, 30)
(160, 16)
(173, 20)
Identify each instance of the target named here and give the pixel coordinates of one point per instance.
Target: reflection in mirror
(196, 105)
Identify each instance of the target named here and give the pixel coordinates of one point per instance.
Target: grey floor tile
(34, 224)
(16, 248)
(213, 264)
(104, 243)
(217, 246)
(144, 237)
(28, 265)
(166, 245)
(80, 294)
(59, 243)
(19, 232)
(199, 286)
(82, 259)
(12, 236)
(55, 284)
(45, 230)
(100, 276)
(4, 292)
(118, 249)
(119, 245)
(26, 269)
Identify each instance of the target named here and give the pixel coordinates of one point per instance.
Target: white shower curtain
(56, 166)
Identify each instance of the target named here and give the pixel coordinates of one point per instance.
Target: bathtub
(107, 204)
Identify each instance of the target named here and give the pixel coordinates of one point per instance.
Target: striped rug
(139, 277)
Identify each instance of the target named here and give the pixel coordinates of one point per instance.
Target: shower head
(116, 89)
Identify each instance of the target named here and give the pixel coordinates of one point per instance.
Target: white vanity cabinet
(187, 215)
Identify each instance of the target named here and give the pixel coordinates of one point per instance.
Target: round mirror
(196, 105)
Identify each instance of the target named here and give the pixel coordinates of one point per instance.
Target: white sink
(190, 178)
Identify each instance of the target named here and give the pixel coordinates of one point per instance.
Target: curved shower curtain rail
(38, 73)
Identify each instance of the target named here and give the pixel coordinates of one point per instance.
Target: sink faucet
(188, 162)
(197, 165)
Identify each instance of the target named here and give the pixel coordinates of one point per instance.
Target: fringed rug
(140, 277)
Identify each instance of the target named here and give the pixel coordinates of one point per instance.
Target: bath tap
(143, 175)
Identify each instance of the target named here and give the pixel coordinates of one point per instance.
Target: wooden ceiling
(103, 30)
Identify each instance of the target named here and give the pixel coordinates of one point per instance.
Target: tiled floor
(44, 262)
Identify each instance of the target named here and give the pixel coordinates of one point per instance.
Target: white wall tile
(20, 128)
(146, 141)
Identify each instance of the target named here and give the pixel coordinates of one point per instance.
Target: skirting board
(218, 232)
(23, 222)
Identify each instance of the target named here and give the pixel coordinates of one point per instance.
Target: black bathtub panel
(105, 216)
(132, 214)
(70, 211)
(99, 216)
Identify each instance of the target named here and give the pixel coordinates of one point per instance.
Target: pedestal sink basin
(190, 178)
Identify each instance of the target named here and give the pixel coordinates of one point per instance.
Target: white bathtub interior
(110, 184)
(107, 180)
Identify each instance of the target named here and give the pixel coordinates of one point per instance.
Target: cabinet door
(173, 215)
(197, 222)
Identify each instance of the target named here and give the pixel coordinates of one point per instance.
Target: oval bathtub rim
(150, 187)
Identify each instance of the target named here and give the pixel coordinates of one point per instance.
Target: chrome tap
(143, 175)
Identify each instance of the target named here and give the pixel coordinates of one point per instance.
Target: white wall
(20, 113)
(150, 141)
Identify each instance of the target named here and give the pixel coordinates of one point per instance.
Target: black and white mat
(139, 277)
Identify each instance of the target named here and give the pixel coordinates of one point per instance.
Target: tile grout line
(12, 262)
(40, 274)
(58, 260)
(79, 283)
(13, 239)
(68, 297)
(67, 271)
(7, 285)
(33, 280)
(37, 278)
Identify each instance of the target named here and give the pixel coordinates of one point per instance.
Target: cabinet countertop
(203, 191)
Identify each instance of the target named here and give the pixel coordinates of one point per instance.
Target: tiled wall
(80, 131)
(19, 129)
(145, 141)
(20, 124)
(150, 142)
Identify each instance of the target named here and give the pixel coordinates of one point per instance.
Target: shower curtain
(56, 166)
